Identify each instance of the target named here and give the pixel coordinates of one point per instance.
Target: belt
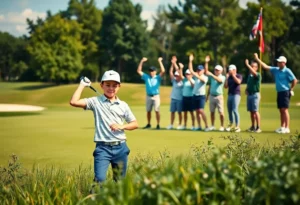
(111, 143)
(252, 93)
(152, 95)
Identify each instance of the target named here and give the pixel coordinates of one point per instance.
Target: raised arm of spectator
(139, 69)
(171, 70)
(201, 78)
(207, 59)
(181, 66)
(265, 66)
(252, 71)
(162, 67)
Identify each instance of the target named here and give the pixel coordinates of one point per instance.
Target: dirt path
(19, 108)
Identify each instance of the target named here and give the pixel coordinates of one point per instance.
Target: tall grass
(242, 172)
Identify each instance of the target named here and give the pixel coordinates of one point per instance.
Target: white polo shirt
(107, 113)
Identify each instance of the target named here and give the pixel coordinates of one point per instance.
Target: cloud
(15, 22)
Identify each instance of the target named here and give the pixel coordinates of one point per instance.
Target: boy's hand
(160, 59)
(191, 57)
(256, 56)
(116, 127)
(85, 82)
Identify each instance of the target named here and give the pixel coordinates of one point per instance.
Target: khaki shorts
(152, 101)
(216, 102)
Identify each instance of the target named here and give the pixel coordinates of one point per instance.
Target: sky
(13, 13)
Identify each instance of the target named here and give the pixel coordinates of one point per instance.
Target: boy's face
(110, 88)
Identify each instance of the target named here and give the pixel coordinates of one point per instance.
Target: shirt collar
(105, 99)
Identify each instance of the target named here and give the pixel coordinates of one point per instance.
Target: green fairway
(63, 135)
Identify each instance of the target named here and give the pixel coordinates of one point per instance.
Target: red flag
(260, 30)
(258, 27)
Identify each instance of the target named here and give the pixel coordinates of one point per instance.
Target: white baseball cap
(282, 59)
(218, 67)
(187, 71)
(232, 67)
(176, 73)
(111, 75)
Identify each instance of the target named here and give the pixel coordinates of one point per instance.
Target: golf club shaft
(95, 90)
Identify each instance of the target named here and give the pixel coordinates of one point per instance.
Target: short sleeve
(273, 70)
(129, 117)
(90, 105)
(291, 76)
(144, 76)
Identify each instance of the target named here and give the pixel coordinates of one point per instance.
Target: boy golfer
(109, 113)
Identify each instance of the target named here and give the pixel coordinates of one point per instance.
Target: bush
(242, 172)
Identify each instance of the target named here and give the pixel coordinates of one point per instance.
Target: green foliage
(273, 177)
(87, 15)
(56, 50)
(124, 38)
(206, 27)
(13, 56)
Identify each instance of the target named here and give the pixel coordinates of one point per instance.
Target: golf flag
(258, 28)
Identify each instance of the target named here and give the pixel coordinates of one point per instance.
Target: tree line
(84, 40)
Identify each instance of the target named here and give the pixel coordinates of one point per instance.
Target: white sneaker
(180, 127)
(222, 129)
(192, 128)
(286, 130)
(207, 129)
(280, 130)
(237, 129)
(212, 128)
(228, 128)
(170, 127)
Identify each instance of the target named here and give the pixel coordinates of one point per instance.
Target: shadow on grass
(18, 114)
(36, 87)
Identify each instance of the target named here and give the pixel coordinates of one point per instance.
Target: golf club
(83, 78)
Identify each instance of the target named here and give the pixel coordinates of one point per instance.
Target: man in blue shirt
(283, 78)
(152, 83)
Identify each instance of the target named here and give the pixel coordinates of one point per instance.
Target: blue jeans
(116, 155)
(233, 102)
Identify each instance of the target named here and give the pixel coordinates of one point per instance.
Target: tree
(13, 56)
(124, 38)
(56, 50)
(86, 13)
(206, 26)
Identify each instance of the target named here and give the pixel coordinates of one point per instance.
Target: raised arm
(265, 66)
(190, 66)
(162, 67)
(173, 64)
(75, 100)
(139, 69)
(181, 66)
(207, 59)
(252, 71)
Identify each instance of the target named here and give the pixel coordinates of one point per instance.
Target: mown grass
(63, 136)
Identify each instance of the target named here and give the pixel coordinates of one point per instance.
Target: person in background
(253, 95)
(187, 99)
(152, 83)
(199, 93)
(233, 83)
(215, 93)
(285, 82)
(176, 94)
